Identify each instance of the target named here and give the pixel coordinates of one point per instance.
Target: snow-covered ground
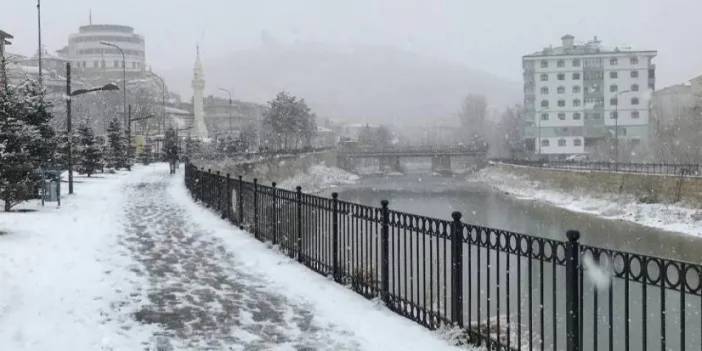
(613, 206)
(130, 262)
(318, 178)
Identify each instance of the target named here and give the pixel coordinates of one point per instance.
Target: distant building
(223, 118)
(88, 55)
(673, 105)
(576, 94)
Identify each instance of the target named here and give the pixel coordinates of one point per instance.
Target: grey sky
(487, 35)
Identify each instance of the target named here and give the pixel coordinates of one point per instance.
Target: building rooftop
(105, 28)
(591, 47)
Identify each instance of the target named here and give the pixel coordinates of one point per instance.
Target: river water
(438, 196)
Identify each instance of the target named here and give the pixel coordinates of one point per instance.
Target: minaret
(199, 126)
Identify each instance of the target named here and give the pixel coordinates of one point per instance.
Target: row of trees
(28, 143)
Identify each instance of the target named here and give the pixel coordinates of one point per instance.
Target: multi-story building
(87, 53)
(579, 96)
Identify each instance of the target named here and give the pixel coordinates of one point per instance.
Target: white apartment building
(577, 95)
(87, 54)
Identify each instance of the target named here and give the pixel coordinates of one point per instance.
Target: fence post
(572, 291)
(240, 202)
(255, 207)
(299, 223)
(201, 177)
(335, 237)
(385, 248)
(275, 215)
(228, 199)
(217, 191)
(457, 269)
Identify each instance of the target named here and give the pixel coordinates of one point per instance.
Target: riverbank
(615, 206)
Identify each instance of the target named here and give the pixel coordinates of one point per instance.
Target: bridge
(389, 158)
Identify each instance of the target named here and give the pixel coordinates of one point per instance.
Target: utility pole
(68, 127)
(39, 30)
(3, 63)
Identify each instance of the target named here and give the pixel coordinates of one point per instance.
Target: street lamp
(69, 95)
(162, 125)
(230, 108)
(616, 128)
(39, 31)
(124, 77)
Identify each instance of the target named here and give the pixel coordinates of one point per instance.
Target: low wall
(644, 187)
(274, 169)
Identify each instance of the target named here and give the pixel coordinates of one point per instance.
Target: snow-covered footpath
(613, 206)
(61, 269)
(70, 282)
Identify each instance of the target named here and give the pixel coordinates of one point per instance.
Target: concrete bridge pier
(441, 164)
(390, 163)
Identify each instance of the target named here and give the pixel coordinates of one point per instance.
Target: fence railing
(673, 169)
(507, 291)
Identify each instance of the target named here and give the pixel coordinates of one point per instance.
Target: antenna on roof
(90, 17)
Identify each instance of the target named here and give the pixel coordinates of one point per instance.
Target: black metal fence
(507, 291)
(672, 169)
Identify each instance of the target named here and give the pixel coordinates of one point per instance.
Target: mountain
(366, 83)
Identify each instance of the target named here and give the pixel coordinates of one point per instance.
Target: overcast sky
(488, 35)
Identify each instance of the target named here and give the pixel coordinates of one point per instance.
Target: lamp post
(69, 95)
(124, 78)
(616, 128)
(230, 108)
(162, 125)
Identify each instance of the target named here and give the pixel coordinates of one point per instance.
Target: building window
(561, 103)
(576, 89)
(544, 64)
(576, 102)
(634, 74)
(576, 116)
(561, 76)
(561, 142)
(613, 61)
(577, 142)
(613, 75)
(613, 115)
(544, 142)
(544, 90)
(544, 116)
(634, 87)
(561, 90)
(576, 76)
(634, 114)
(635, 101)
(560, 63)
(613, 88)
(613, 102)
(576, 62)
(596, 115)
(634, 60)
(561, 116)
(544, 103)
(544, 77)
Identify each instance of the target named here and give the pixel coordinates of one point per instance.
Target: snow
(59, 269)
(668, 217)
(318, 178)
(70, 281)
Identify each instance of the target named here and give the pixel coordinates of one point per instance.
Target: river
(438, 196)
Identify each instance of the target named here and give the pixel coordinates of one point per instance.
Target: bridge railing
(504, 290)
(672, 169)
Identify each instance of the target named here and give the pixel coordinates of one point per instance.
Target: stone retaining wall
(646, 188)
